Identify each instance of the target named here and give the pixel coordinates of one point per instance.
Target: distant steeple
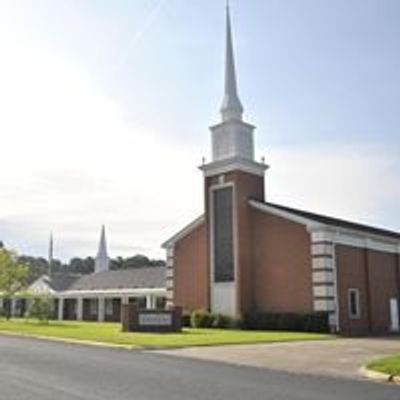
(51, 250)
(231, 106)
(102, 260)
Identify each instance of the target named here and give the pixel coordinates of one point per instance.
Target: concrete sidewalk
(340, 358)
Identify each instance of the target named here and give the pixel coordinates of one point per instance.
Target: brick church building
(246, 254)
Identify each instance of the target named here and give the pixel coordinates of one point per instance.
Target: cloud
(72, 160)
(353, 181)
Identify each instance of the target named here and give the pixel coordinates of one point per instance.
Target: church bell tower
(231, 179)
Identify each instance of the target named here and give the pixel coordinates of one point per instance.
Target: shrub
(290, 322)
(201, 319)
(2, 312)
(312, 322)
(205, 319)
(317, 322)
(41, 308)
(222, 321)
(186, 319)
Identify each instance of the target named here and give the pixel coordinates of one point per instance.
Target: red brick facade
(245, 186)
(281, 264)
(276, 270)
(272, 258)
(375, 274)
(191, 271)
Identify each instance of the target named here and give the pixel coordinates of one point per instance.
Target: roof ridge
(330, 220)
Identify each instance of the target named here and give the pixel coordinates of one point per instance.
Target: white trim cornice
(309, 223)
(110, 292)
(183, 232)
(335, 234)
(232, 164)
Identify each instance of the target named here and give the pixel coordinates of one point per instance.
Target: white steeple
(231, 105)
(232, 139)
(102, 261)
(51, 250)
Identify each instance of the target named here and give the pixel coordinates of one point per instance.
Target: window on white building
(354, 303)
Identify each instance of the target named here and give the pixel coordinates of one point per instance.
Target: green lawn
(111, 333)
(388, 365)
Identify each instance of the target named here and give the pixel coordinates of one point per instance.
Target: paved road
(40, 370)
(339, 358)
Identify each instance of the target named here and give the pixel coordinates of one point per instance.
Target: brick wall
(190, 286)
(375, 274)
(281, 261)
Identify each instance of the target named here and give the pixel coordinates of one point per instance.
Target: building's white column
(13, 307)
(149, 302)
(101, 309)
(170, 277)
(79, 308)
(60, 309)
(324, 275)
(28, 305)
(125, 300)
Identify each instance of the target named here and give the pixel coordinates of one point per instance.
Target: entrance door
(394, 315)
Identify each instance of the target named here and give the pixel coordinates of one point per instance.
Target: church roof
(135, 278)
(332, 221)
(60, 282)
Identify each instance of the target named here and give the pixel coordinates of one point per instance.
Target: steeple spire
(232, 139)
(231, 105)
(51, 250)
(102, 260)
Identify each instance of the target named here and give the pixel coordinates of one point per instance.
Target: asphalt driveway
(339, 357)
(43, 370)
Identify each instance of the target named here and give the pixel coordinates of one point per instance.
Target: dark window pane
(141, 302)
(161, 303)
(354, 306)
(223, 235)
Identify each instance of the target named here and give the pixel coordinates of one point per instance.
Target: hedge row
(312, 322)
(204, 319)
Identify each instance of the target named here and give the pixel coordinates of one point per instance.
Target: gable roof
(54, 283)
(60, 282)
(183, 232)
(327, 220)
(135, 278)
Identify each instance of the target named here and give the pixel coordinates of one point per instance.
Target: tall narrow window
(223, 235)
(354, 303)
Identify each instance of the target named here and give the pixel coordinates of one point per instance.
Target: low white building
(98, 296)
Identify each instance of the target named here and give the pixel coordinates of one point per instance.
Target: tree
(81, 265)
(137, 261)
(41, 308)
(37, 266)
(13, 276)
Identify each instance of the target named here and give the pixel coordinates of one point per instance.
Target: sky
(105, 108)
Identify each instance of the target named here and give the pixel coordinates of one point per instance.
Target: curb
(71, 341)
(380, 376)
